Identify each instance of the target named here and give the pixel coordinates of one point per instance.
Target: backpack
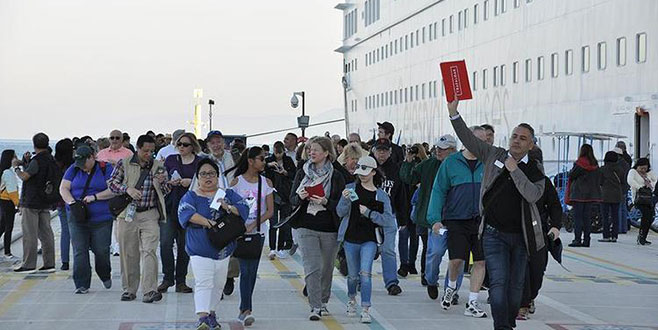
(53, 179)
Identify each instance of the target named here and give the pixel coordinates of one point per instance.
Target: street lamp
(210, 103)
(303, 120)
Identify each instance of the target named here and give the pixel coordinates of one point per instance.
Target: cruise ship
(577, 71)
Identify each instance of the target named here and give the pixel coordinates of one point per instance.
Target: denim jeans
(610, 226)
(248, 274)
(437, 245)
(623, 217)
(506, 259)
(94, 235)
(408, 245)
(65, 237)
(582, 221)
(359, 268)
(389, 261)
(169, 232)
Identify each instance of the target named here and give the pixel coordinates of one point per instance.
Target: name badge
(499, 164)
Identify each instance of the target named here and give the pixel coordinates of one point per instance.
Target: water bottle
(130, 212)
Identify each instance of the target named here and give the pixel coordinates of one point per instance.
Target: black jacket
(349, 178)
(282, 183)
(33, 194)
(550, 207)
(585, 184)
(613, 182)
(397, 154)
(396, 190)
(337, 187)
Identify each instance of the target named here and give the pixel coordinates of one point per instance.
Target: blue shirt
(196, 237)
(98, 211)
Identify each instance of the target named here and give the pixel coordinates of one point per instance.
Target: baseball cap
(386, 126)
(618, 150)
(177, 134)
(446, 141)
(82, 152)
(365, 165)
(382, 144)
(214, 133)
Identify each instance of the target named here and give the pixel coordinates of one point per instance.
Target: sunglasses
(210, 174)
(183, 144)
(364, 167)
(115, 137)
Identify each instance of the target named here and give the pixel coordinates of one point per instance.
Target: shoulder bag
(250, 246)
(119, 203)
(79, 208)
(226, 230)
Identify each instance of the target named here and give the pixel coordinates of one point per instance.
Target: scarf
(584, 163)
(314, 176)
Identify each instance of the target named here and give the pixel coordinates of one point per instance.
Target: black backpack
(53, 179)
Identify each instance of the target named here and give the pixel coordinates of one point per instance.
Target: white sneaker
(324, 311)
(272, 255)
(446, 302)
(351, 308)
(365, 317)
(473, 309)
(315, 314)
(282, 254)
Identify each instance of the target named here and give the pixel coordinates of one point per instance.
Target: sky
(84, 67)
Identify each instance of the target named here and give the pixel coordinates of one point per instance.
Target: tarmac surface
(609, 286)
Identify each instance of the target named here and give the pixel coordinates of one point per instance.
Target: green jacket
(423, 173)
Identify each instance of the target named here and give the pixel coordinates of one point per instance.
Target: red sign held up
(455, 80)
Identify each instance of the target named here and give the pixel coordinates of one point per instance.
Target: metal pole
(303, 111)
(210, 115)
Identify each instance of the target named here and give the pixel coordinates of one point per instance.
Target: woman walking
(317, 189)
(584, 192)
(643, 183)
(209, 264)
(8, 200)
(362, 207)
(64, 159)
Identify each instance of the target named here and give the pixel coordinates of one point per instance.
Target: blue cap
(214, 133)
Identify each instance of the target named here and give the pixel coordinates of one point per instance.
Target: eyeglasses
(261, 158)
(115, 137)
(210, 174)
(364, 167)
(183, 144)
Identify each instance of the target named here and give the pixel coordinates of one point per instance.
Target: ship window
(395, 97)
(540, 68)
(435, 25)
(602, 49)
(555, 66)
(386, 51)
(515, 72)
(430, 38)
(502, 75)
(412, 40)
(585, 58)
(484, 78)
(406, 42)
(411, 93)
(503, 6)
(528, 70)
(475, 13)
(443, 90)
(465, 18)
(568, 62)
(496, 11)
(475, 80)
(443, 27)
(641, 49)
(423, 91)
(517, 3)
(417, 93)
(435, 93)
(451, 23)
(417, 37)
(396, 46)
(406, 95)
(460, 20)
(423, 34)
(621, 51)
(401, 49)
(495, 76)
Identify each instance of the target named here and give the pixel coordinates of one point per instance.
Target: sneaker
(203, 323)
(324, 311)
(446, 302)
(107, 284)
(351, 308)
(248, 320)
(613, 240)
(604, 240)
(523, 314)
(394, 290)
(152, 296)
(293, 249)
(47, 270)
(272, 255)
(127, 296)
(575, 243)
(164, 286)
(282, 254)
(412, 270)
(11, 258)
(473, 309)
(183, 288)
(365, 317)
(455, 300)
(403, 271)
(433, 291)
(315, 315)
(532, 308)
(212, 321)
(65, 266)
(229, 286)
(81, 291)
(24, 270)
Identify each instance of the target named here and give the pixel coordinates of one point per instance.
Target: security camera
(294, 101)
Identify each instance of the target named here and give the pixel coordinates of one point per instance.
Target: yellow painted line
(16, 295)
(611, 262)
(329, 321)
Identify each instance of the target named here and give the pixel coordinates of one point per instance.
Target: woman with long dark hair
(8, 199)
(317, 190)
(643, 182)
(584, 193)
(280, 169)
(64, 159)
(247, 181)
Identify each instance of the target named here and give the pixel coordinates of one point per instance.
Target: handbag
(226, 230)
(250, 246)
(119, 203)
(643, 196)
(79, 208)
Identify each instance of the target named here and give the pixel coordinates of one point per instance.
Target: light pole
(210, 104)
(303, 120)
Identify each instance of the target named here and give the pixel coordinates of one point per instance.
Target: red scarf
(584, 163)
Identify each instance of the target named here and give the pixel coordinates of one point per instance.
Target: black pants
(422, 232)
(610, 219)
(582, 217)
(285, 232)
(170, 232)
(648, 212)
(7, 217)
(534, 276)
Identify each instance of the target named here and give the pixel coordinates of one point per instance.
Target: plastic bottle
(130, 212)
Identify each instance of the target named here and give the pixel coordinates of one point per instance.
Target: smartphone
(353, 195)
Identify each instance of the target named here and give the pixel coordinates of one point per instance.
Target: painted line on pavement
(614, 269)
(16, 295)
(611, 262)
(569, 310)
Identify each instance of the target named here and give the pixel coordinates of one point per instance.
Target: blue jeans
(389, 261)
(610, 226)
(506, 259)
(248, 274)
(408, 245)
(98, 237)
(359, 268)
(582, 221)
(437, 245)
(623, 217)
(169, 232)
(65, 239)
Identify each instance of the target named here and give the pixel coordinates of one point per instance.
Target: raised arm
(479, 148)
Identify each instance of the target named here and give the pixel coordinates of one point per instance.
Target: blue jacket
(456, 190)
(344, 209)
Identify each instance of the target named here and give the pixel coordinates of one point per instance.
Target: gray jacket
(493, 159)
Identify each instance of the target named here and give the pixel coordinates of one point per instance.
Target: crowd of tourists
(208, 205)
